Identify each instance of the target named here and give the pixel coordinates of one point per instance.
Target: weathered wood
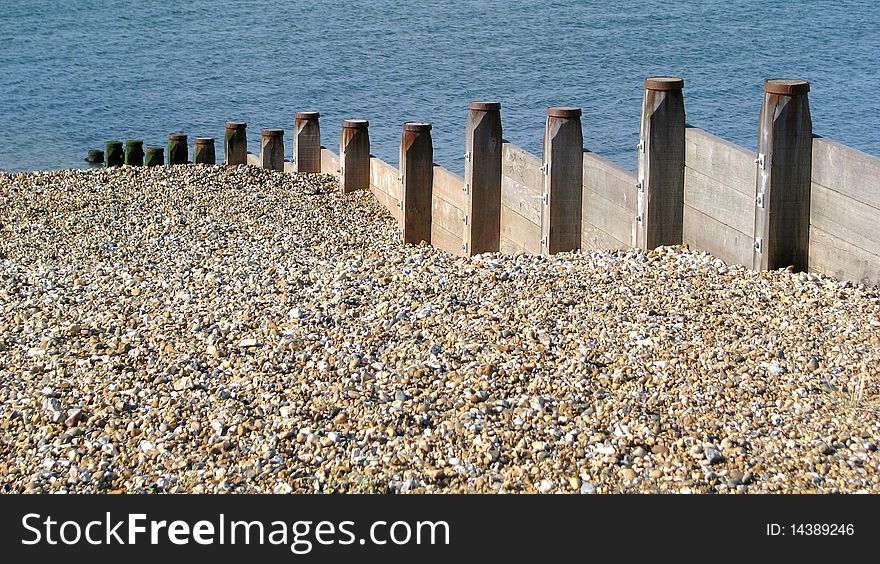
(523, 167)
(178, 151)
(235, 143)
(508, 246)
(782, 213)
(707, 234)
(450, 187)
(203, 151)
(134, 152)
(836, 257)
(307, 142)
(661, 153)
(600, 213)
(354, 155)
(563, 162)
(729, 164)
(113, 153)
(155, 156)
(330, 164)
(846, 218)
(719, 201)
(847, 171)
(272, 149)
(520, 199)
(611, 181)
(253, 160)
(95, 156)
(520, 230)
(482, 178)
(445, 240)
(385, 186)
(417, 177)
(450, 218)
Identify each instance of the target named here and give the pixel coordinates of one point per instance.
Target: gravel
(230, 329)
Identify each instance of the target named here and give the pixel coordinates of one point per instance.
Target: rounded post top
(204, 141)
(133, 142)
(236, 125)
(155, 149)
(307, 115)
(272, 133)
(177, 136)
(416, 126)
(114, 142)
(484, 106)
(564, 112)
(786, 86)
(355, 124)
(664, 83)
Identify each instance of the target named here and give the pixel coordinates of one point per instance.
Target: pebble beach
(235, 330)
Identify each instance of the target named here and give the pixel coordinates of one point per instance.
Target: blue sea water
(74, 73)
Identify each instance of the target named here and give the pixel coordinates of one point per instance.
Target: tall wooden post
(155, 156)
(134, 152)
(782, 195)
(354, 155)
(113, 153)
(235, 143)
(203, 151)
(563, 181)
(417, 176)
(307, 142)
(178, 152)
(272, 149)
(661, 164)
(482, 178)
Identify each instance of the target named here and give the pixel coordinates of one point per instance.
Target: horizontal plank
(845, 218)
(600, 213)
(520, 230)
(611, 181)
(253, 159)
(520, 199)
(719, 201)
(835, 257)
(450, 187)
(386, 186)
(846, 170)
(707, 234)
(443, 239)
(447, 216)
(595, 239)
(720, 159)
(389, 203)
(510, 247)
(523, 167)
(329, 162)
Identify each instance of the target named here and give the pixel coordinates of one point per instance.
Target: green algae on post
(177, 149)
(113, 153)
(134, 152)
(203, 151)
(155, 156)
(96, 156)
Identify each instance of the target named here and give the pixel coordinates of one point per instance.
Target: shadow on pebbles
(216, 329)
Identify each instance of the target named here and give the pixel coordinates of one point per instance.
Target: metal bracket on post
(759, 200)
(465, 188)
(467, 156)
(545, 199)
(759, 244)
(641, 146)
(640, 186)
(545, 168)
(762, 161)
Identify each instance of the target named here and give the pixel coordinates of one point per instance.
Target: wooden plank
(707, 234)
(509, 246)
(449, 186)
(253, 159)
(522, 166)
(595, 239)
(719, 201)
(520, 199)
(329, 162)
(719, 159)
(611, 181)
(385, 185)
(448, 217)
(846, 170)
(836, 257)
(289, 167)
(520, 230)
(600, 213)
(443, 239)
(845, 218)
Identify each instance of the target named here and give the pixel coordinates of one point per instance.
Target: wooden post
(307, 142)
(272, 149)
(354, 155)
(134, 152)
(660, 183)
(155, 156)
(235, 143)
(482, 178)
(563, 181)
(203, 151)
(782, 195)
(178, 152)
(96, 156)
(113, 153)
(417, 176)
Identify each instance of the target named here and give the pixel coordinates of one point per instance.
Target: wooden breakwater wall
(799, 201)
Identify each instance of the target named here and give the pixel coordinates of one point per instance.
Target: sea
(76, 73)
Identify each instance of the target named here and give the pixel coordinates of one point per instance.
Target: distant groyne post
(272, 149)
(155, 156)
(113, 153)
(307, 142)
(178, 151)
(354, 155)
(562, 167)
(134, 152)
(482, 178)
(203, 151)
(784, 162)
(417, 178)
(661, 152)
(235, 143)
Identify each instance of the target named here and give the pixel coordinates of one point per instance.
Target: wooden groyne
(799, 201)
